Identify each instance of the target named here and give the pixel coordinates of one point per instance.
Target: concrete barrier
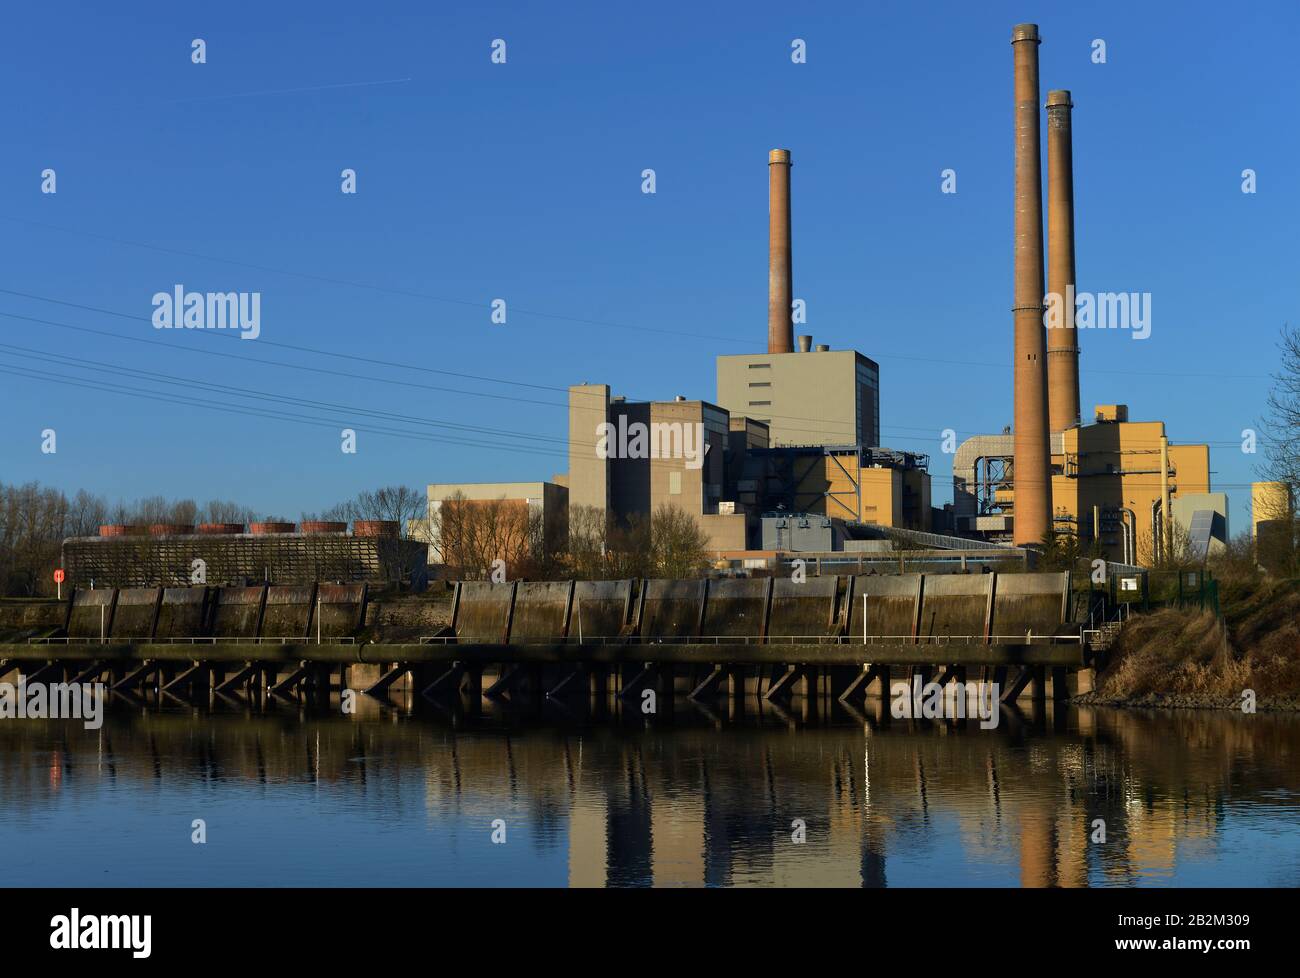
(289, 611)
(889, 602)
(1037, 603)
(91, 613)
(956, 604)
(805, 609)
(136, 615)
(183, 613)
(342, 609)
(482, 611)
(902, 606)
(542, 610)
(238, 611)
(20, 619)
(671, 608)
(601, 608)
(736, 607)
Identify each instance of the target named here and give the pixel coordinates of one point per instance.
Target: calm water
(1188, 798)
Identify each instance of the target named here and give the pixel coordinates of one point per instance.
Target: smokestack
(780, 328)
(1032, 475)
(805, 344)
(1063, 343)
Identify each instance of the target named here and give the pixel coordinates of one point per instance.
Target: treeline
(472, 536)
(35, 520)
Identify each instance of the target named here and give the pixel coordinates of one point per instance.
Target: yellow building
(856, 488)
(1269, 501)
(1116, 467)
(1108, 483)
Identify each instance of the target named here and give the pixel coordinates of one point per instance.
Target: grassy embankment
(1187, 658)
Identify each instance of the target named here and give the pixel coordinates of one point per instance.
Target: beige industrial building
(630, 457)
(812, 397)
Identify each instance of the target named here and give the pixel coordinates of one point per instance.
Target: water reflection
(386, 797)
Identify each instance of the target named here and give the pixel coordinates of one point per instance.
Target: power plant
(794, 461)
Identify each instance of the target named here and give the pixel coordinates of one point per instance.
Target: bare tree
(1281, 424)
(587, 542)
(678, 543)
(1172, 553)
(400, 504)
(1279, 543)
(472, 534)
(224, 511)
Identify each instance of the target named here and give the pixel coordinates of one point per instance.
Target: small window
(760, 403)
(759, 366)
(761, 383)
(674, 483)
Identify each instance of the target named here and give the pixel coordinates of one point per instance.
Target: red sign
(58, 576)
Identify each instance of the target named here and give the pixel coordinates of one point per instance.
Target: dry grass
(1177, 657)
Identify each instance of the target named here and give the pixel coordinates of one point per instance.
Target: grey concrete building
(813, 397)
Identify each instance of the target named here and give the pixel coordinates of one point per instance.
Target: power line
(346, 409)
(321, 370)
(252, 412)
(604, 324)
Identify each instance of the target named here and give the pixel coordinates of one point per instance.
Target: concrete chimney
(1062, 344)
(780, 328)
(1032, 458)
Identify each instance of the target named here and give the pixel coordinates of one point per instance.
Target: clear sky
(522, 181)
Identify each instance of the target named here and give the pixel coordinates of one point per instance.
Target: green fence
(1145, 590)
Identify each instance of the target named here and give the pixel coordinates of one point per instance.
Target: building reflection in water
(688, 804)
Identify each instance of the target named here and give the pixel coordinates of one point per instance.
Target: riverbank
(1181, 658)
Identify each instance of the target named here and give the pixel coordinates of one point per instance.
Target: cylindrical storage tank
(170, 529)
(117, 530)
(263, 528)
(823, 348)
(323, 526)
(805, 344)
(228, 529)
(376, 528)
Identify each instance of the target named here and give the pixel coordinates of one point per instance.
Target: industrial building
(610, 472)
(1108, 485)
(1118, 485)
(167, 555)
(817, 396)
(544, 502)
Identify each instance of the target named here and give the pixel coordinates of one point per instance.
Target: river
(282, 796)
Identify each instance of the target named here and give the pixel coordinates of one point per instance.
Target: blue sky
(522, 181)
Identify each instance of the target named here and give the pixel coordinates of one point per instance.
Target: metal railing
(1023, 639)
(193, 640)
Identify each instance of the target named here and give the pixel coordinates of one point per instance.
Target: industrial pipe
(1166, 523)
